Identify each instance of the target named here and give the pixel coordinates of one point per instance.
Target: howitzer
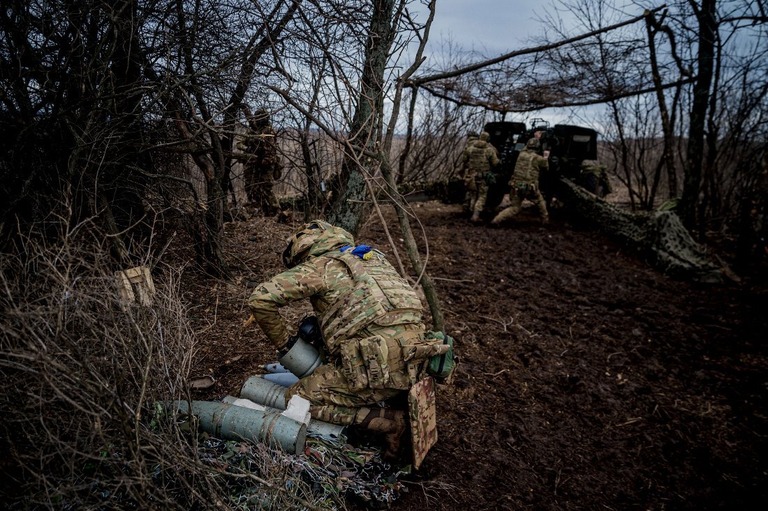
(567, 147)
(505, 137)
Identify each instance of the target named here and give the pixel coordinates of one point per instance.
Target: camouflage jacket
(479, 158)
(348, 294)
(529, 165)
(260, 152)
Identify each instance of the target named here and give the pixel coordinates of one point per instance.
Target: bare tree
(214, 66)
(72, 116)
(654, 27)
(348, 208)
(634, 148)
(90, 88)
(368, 147)
(724, 45)
(705, 17)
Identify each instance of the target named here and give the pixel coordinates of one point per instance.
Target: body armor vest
(378, 296)
(526, 170)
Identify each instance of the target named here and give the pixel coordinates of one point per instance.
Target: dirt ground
(587, 380)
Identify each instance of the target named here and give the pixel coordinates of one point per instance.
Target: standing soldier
(261, 166)
(372, 330)
(469, 181)
(525, 183)
(479, 159)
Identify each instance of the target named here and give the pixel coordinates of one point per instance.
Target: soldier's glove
(309, 330)
(490, 178)
(285, 348)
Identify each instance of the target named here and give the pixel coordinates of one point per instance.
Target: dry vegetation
(85, 376)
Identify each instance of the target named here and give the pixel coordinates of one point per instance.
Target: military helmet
(315, 238)
(485, 136)
(259, 119)
(533, 143)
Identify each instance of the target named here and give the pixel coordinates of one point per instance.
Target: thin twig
(454, 280)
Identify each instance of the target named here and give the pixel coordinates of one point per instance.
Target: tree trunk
(666, 125)
(350, 206)
(692, 189)
(214, 227)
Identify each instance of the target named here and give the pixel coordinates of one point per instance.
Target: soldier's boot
(505, 214)
(543, 211)
(466, 207)
(386, 421)
(475, 217)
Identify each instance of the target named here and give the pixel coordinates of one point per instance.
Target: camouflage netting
(659, 236)
(325, 476)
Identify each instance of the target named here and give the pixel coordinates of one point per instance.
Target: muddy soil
(587, 380)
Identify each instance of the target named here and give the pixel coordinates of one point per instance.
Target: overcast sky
(491, 27)
(495, 27)
(499, 26)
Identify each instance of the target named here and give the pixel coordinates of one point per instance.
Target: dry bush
(83, 375)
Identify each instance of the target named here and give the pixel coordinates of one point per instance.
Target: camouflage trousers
(470, 189)
(331, 399)
(335, 397)
(518, 193)
(258, 189)
(478, 196)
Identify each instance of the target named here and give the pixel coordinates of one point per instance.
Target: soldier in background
(594, 178)
(261, 166)
(525, 183)
(479, 159)
(373, 334)
(469, 181)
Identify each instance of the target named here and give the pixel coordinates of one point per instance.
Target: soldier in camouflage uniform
(371, 321)
(525, 183)
(469, 181)
(593, 176)
(479, 158)
(261, 166)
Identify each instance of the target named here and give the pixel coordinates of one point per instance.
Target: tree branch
(538, 49)
(506, 108)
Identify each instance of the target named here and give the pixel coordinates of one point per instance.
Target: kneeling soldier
(373, 336)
